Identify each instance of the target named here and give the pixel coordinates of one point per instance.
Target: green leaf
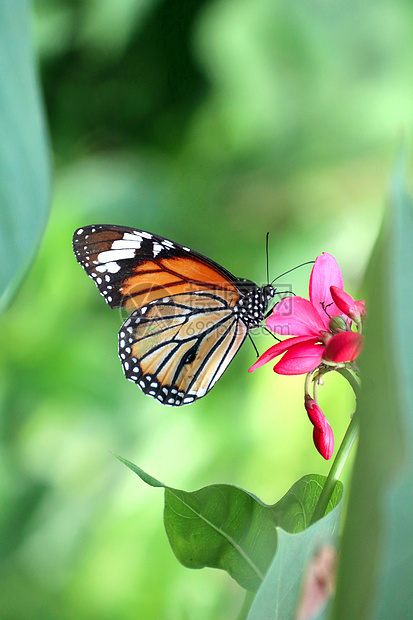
(24, 160)
(294, 511)
(153, 482)
(278, 595)
(223, 526)
(377, 556)
(220, 526)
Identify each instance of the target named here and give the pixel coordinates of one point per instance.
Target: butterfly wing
(132, 267)
(176, 348)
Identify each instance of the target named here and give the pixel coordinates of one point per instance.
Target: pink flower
(308, 321)
(322, 434)
(322, 339)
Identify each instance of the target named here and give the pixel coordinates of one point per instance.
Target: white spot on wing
(157, 248)
(111, 267)
(121, 244)
(133, 236)
(114, 255)
(79, 232)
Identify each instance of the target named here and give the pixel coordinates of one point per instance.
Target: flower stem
(336, 469)
(344, 372)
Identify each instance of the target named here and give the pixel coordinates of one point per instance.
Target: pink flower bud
(317, 417)
(344, 302)
(322, 434)
(324, 442)
(343, 347)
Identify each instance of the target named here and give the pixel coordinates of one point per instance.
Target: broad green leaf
(294, 511)
(375, 573)
(223, 526)
(220, 526)
(278, 595)
(24, 160)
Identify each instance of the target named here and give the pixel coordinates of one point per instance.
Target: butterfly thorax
(252, 306)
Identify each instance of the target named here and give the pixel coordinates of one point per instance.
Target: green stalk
(342, 454)
(336, 469)
(344, 372)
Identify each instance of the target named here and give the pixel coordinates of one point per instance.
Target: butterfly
(189, 316)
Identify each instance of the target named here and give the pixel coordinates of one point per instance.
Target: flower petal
(300, 359)
(324, 442)
(295, 316)
(278, 349)
(343, 347)
(324, 274)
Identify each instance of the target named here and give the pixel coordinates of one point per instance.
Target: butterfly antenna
(267, 253)
(310, 262)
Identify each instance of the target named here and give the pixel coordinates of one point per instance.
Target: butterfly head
(268, 292)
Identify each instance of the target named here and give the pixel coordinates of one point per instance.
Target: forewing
(133, 268)
(176, 348)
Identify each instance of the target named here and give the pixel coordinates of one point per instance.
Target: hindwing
(176, 348)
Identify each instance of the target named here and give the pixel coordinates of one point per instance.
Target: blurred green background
(210, 123)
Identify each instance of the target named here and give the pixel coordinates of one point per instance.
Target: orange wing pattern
(132, 267)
